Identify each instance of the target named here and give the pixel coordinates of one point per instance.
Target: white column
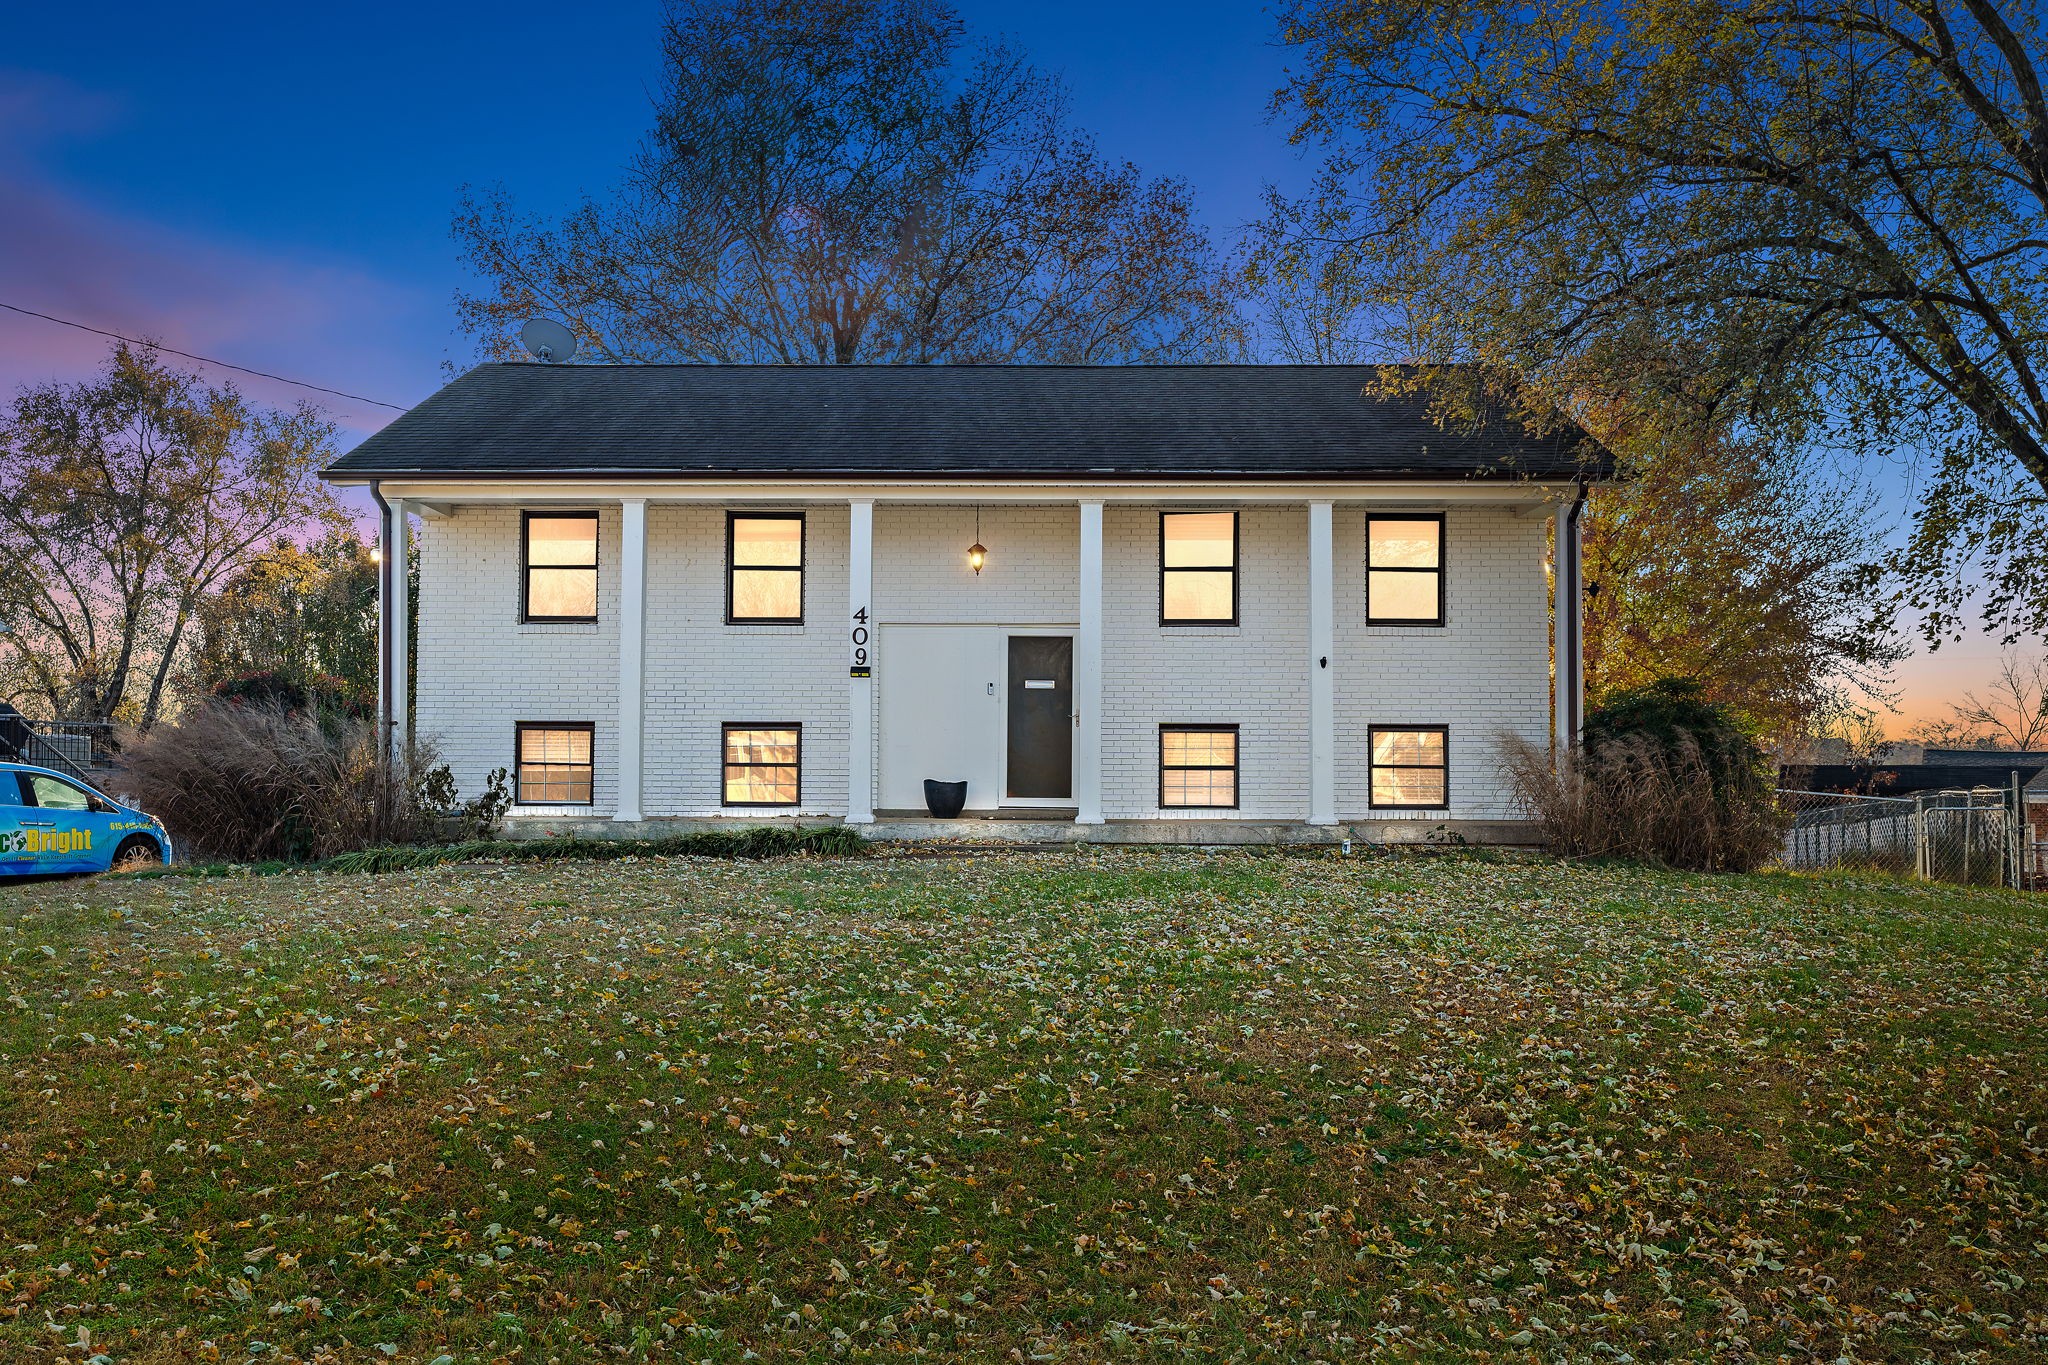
(632, 653)
(399, 547)
(1322, 683)
(1088, 671)
(860, 654)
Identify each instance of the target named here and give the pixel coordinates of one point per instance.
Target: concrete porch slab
(1042, 815)
(1011, 830)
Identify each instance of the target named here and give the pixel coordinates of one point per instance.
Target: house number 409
(862, 661)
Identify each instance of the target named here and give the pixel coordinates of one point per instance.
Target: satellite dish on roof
(547, 340)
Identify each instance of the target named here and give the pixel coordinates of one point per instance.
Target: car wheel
(137, 850)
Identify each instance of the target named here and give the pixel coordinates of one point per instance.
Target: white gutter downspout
(384, 542)
(1568, 629)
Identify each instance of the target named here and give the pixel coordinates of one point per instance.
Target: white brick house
(1217, 602)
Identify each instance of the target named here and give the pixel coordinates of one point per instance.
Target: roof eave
(1590, 477)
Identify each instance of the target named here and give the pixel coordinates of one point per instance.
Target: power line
(202, 359)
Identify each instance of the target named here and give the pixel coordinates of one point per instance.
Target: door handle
(40, 824)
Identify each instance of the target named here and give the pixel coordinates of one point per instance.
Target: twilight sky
(272, 184)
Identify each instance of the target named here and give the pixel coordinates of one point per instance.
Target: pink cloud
(319, 320)
(60, 256)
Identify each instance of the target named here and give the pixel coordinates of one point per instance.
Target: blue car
(51, 824)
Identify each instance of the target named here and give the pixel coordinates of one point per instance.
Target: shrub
(1662, 776)
(1673, 715)
(288, 692)
(254, 779)
(462, 821)
(759, 841)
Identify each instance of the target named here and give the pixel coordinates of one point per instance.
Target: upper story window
(764, 567)
(1404, 569)
(560, 554)
(1198, 568)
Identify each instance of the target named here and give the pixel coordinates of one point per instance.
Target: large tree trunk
(153, 708)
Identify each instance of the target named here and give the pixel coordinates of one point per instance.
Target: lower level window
(762, 764)
(1411, 768)
(1198, 767)
(554, 764)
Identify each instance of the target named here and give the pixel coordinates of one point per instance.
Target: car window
(54, 793)
(10, 790)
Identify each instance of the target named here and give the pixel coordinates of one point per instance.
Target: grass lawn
(1063, 1107)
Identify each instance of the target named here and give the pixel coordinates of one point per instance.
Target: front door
(1040, 754)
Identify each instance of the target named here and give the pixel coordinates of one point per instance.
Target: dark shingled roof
(882, 421)
(1902, 779)
(1986, 758)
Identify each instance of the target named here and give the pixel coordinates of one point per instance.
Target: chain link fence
(1976, 837)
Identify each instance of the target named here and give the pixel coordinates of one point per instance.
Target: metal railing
(73, 747)
(89, 744)
(1977, 837)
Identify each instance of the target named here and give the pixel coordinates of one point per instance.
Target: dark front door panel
(1041, 717)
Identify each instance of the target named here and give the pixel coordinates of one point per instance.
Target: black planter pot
(944, 799)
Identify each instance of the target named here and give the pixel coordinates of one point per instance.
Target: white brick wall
(1252, 675)
(1486, 670)
(1032, 577)
(703, 673)
(481, 669)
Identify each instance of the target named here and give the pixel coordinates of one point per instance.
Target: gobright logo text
(48, 841)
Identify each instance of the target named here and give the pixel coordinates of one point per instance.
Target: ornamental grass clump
(251, 781)
(1662, 776)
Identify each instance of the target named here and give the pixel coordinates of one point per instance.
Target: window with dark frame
(559, 553)
(1404, 569)
(764, 556)
(1198, 767)
(1198, 568)
(763, 765)
(553, 763)
(1410, 767)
